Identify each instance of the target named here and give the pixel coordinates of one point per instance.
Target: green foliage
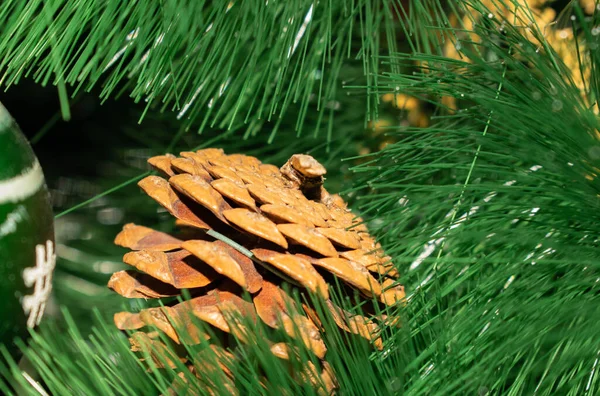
(490, 213)
(102, 363)
(212, 63)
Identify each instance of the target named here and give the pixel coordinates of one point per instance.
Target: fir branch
(104, 364)
(212, 63)
(504, 294)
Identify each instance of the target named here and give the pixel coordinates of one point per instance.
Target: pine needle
(504, 269)
(213, 63)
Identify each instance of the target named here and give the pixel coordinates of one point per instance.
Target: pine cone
(281, 225)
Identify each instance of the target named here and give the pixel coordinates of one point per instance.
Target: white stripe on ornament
(5, 118)
(22, 186)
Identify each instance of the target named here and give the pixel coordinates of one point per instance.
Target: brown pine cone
(249, 227)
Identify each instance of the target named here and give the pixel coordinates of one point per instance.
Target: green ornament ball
(27, 257)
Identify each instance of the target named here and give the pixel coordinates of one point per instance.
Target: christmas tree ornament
(248, 229)
(27, 255)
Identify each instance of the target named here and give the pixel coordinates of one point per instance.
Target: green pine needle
(491, 216)
(211, 63)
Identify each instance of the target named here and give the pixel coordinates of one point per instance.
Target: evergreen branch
(509, 305)
(104, 363)
(212, 63)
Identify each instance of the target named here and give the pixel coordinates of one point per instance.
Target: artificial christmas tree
(488, 207)
(26, 235)
(249, 228)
